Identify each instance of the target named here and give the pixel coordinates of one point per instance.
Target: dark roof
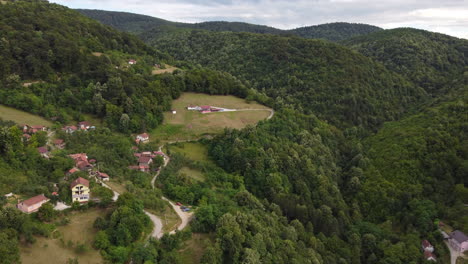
(459, 236)
(80, 180)
(35, 200)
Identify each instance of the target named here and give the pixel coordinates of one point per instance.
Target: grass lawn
(194, 174)
(192, 150)
(117, 186)
(52, 250)
(21, 117)
(94, 120)
(185, 125)
(195, 247)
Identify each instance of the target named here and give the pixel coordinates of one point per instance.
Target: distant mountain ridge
(137, 24)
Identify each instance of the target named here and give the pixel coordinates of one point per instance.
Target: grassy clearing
(194, 174)
(168, 69)
(21, 117)
(94, 120)
(52, 250)
(117, 186)
(192, 150)
(195, 247)
(186, 125)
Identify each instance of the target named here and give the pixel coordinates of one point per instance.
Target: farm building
(32, 204)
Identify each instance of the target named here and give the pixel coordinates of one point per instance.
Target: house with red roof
(26, 137)
(84, 125)
(132, 62)
(102, 176)
(59, 143)
(71, 171)
(32, 204)
(70, 129)
(43, 151)
(426, 246)
(143, 138)
(429, 256)
(81, 161)
(80, 190)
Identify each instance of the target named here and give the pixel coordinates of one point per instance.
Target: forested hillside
(140, 23)
(335, 31)
(431, 60)
(313, 76)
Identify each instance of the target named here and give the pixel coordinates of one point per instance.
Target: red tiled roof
(82, 164)
(79, 180)
(42, 150)
(426, 244)
(26, 135)
(84, 123)
(428, 254)
(144, 135)
(35, 200)
(79, 156)
(58, 141)
(134, 167)
(72, 170)
(102, 174)
(37, 127)
(159, 153)
(144, 159)
(55, 193)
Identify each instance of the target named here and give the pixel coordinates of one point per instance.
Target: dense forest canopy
(431, 60)
(135, 23)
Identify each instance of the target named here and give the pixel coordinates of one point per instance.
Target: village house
(70, 129)
(43, 151)
(26, 137)
(84, 125)
(32, 204)
(59, 143)
(132, 62)
(80, 190)
(426, 246)
(458, 241)
(81, 161)
(429, 256)
(102, 176)
(143, 138)
(35, 129)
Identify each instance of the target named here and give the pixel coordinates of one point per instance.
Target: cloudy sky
(445, 16)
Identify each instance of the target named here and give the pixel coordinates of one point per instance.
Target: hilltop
(136, 23)
(431, 60)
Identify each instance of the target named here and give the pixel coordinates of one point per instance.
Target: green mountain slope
(416, 164)
(315, 76)
(431, 60)
(140, 23)
(335, 31)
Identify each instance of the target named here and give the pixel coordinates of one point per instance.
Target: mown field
(63, 245)
(185, 124)
(21, 117)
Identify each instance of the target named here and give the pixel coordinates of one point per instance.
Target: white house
(142, 138)
(458, 241)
